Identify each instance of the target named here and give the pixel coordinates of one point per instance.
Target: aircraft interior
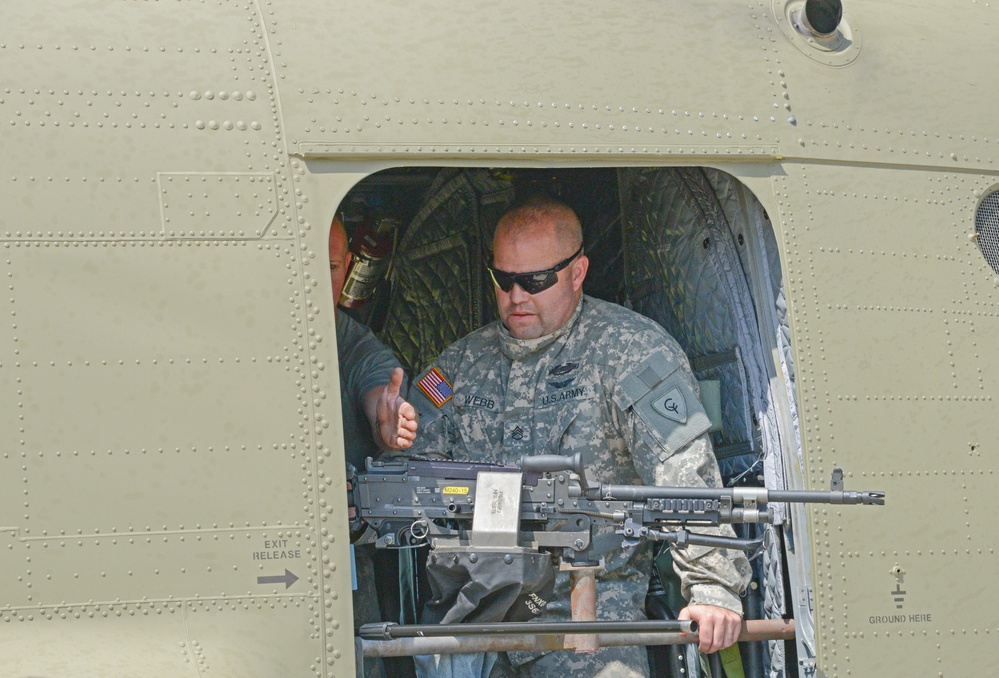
(689, 247)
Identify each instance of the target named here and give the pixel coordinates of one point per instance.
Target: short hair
(540, 209)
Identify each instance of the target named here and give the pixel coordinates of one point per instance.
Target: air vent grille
(987, 228)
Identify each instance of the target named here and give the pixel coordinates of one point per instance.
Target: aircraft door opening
(690, 248)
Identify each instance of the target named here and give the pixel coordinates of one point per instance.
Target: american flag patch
(436, 387)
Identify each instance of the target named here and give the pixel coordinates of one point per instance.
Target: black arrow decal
(287, 578)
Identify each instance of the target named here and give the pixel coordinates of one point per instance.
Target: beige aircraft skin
(169, 436)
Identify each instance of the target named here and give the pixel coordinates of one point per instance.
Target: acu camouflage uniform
(616, 387)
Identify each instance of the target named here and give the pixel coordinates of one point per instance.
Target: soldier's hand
(717, 627)
(396, 417)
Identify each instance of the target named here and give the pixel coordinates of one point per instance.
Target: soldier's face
(529, 316)
(339, 258)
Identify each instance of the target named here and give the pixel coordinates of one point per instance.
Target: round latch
(819, 30)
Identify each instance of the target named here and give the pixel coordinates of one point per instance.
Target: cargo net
(987, 228)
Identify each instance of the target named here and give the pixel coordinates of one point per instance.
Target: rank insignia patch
(436, 387)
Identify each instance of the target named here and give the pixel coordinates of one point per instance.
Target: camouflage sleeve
(665, 428)
(708, 576)
(431, 393)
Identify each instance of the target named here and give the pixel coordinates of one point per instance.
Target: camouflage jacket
(610, 384)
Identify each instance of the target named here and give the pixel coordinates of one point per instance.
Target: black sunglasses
(534, 281)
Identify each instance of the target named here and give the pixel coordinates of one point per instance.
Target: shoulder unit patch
(672, 406)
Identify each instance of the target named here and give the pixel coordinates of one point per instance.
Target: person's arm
(666, 431)
(710, 579)
(393, 420)
(371, 380)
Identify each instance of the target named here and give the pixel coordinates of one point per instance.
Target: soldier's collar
(519, 349)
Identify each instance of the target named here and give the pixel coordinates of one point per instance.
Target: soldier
(376, 418)
(561, 373)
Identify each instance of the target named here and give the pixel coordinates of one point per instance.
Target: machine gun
(546, 503)
(474, 514)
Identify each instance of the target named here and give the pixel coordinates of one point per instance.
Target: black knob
(824, 15)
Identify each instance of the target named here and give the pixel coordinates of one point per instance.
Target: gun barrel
(830, 497)
(738, 495)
